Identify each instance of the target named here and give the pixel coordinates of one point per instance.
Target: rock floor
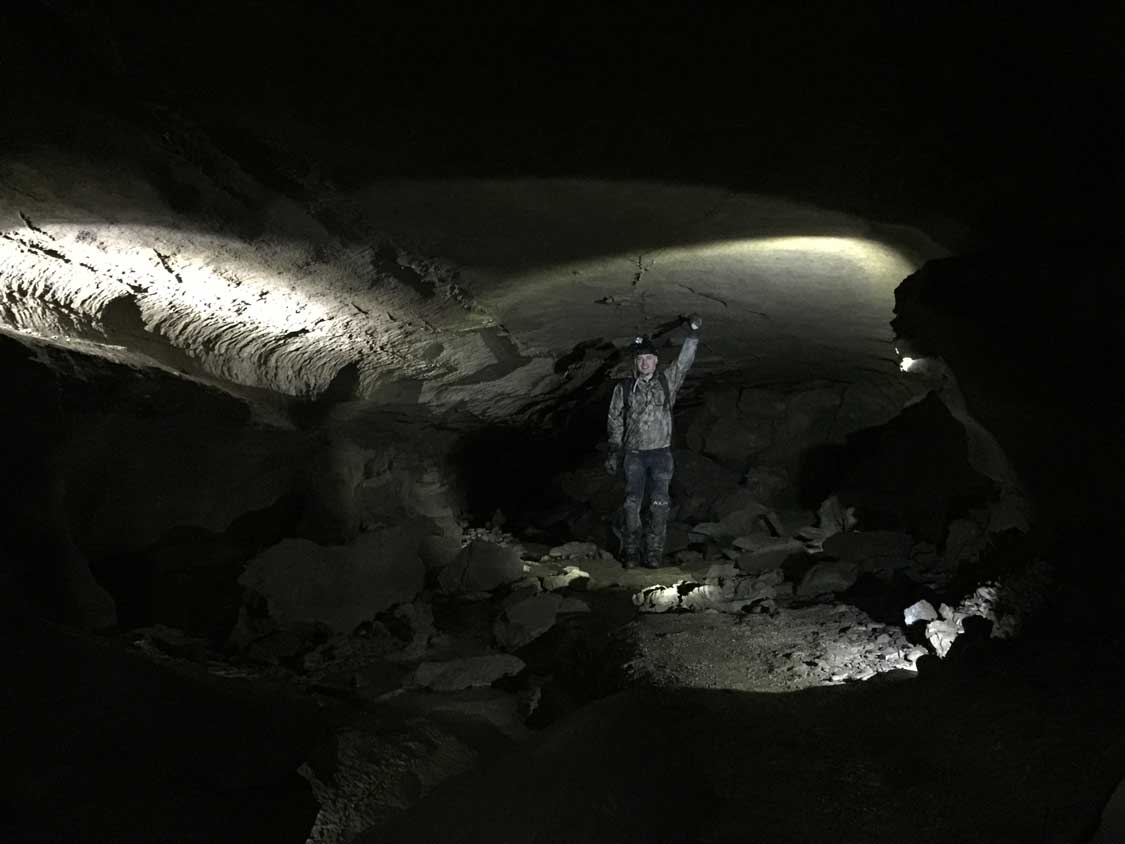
(788, 720)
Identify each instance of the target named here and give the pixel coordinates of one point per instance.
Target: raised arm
(676, 372)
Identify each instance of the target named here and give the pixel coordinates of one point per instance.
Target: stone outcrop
(768, 554)
(526, 618)
(766, 430)
(339, 586)
(825, 578)
(481, 566)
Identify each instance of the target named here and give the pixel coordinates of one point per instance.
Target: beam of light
(814, 297)
(254, 314)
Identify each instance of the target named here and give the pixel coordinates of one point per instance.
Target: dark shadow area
(103, 745)
(513, 470)
(912, 473)
(959, 117)
(1035, 742)
(1031, 338)
(188, 580)
(819, 474)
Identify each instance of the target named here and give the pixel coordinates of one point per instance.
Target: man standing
(640, 430)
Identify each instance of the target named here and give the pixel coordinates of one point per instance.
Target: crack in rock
(713, 298)
(641, 270)
(40, 250)
(165, 262)
(27, 222)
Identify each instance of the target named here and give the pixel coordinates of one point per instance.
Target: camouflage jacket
(649, 425)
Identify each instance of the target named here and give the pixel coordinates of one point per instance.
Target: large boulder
(480, 567)
(919, 611)
(438, 551)
(339, 586)
(733, 440)
(769, 554)
(828, 577)
(740, 514)
(890, 480)
(697, 482)
(770, 485)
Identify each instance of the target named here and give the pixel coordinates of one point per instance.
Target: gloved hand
(613, 461)
(695, 321)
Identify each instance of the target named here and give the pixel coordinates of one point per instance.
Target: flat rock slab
(526, 620)
(468, 673)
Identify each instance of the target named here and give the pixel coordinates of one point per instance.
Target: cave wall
(146, 492)
(1031, 337)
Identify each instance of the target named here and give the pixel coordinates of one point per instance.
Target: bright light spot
(906, 364)
(231, 306)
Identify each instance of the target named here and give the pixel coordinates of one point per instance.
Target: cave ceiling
(298, 208)
(475, 294)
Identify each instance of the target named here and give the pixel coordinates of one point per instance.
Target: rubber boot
(631, 539)
(657, 532)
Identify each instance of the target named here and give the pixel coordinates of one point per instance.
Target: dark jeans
(643, 468)
(647, 471)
